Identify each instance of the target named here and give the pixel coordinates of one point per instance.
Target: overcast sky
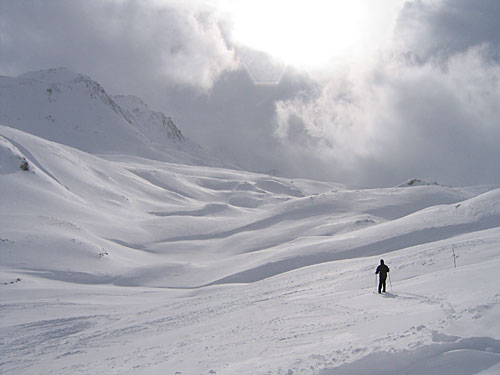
(368, 93)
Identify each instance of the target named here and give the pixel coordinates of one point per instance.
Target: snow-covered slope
(130, 265)
(236, 226)
(75, 110)
(155, 125)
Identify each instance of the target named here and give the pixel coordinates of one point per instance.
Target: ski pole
(375, 282)
(390, 281)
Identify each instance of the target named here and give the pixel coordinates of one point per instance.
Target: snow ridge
(153, 124)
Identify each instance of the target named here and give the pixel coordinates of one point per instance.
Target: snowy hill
(123, 264)
(96, 256)
(74, 110)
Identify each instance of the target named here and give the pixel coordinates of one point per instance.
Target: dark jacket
(383, 270)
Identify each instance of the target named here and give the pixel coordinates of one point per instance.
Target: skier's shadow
(389, 295)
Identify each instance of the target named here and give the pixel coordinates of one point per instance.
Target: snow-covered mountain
(118, 264)
(74, 110)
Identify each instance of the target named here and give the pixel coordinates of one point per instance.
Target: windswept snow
(129, 264)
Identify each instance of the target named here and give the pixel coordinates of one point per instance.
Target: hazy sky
(367, 92)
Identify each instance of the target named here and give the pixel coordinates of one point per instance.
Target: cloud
(235, 119)
(116, 41)
(443, 28)
(427, 108)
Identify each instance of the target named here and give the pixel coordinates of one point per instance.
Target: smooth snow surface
(121, 264)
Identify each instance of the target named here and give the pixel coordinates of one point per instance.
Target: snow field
(311, 320)
(121, 264)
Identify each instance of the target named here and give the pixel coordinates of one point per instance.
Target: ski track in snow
(120, 264)
(316, 320)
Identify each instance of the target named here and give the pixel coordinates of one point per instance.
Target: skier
(382, 271)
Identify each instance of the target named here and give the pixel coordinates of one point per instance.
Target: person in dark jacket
(382, 271)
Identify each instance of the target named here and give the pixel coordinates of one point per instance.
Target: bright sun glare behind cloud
(303, 33)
